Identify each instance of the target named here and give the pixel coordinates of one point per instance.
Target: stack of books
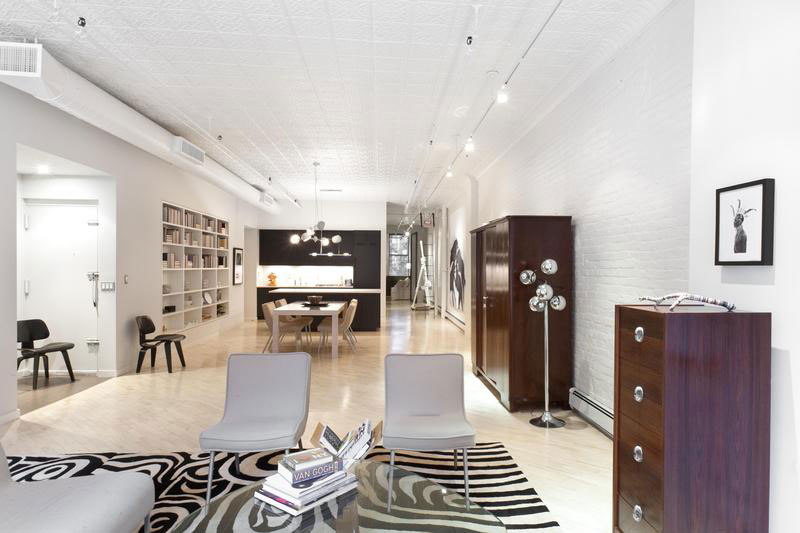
(305, 480)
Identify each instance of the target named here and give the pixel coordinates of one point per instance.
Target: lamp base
(547, 420)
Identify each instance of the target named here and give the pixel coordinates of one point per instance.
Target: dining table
(331, 309)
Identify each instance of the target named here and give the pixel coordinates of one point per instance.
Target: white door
(58, 253)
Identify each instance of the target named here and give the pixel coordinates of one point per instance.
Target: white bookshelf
(195, 261)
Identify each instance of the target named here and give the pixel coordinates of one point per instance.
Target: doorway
(66, 238)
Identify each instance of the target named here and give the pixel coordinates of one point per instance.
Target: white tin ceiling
(359, 85)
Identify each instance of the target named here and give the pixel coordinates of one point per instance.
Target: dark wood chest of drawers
(691, 428)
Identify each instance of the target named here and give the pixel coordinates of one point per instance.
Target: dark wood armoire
(691, 424)
(507, 337)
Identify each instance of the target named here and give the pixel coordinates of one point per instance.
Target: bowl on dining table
(315, 300)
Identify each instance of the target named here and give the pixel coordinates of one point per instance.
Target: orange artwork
(272, 277)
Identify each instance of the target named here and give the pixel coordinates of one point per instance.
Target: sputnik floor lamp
(541, 302)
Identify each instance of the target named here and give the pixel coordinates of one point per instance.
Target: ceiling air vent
(20, 59)
(188, 150)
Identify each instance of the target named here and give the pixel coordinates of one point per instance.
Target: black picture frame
(237, 266)
(767, 209)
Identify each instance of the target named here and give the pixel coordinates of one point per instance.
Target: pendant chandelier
(310, 235)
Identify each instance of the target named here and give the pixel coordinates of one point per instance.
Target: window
(399, 260)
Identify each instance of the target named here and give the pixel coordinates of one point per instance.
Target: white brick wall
(615, 155)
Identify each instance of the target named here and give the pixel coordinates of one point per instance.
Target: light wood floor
(155, 411)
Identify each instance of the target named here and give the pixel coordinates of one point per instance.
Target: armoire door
(485, 271)
(501, 303)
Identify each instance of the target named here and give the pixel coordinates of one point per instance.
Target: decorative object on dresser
(692, 425)
(744, 224)
(680, 297)
(541, 302)
(507, 339)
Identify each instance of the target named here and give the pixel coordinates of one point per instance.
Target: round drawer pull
(638, 393)
(638, 513)
(638, 454)
(638, 334)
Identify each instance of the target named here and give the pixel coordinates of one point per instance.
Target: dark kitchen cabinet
(507, 337)
(367, 259)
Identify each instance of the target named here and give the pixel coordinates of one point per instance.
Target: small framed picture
(745, 222)
(238, 266)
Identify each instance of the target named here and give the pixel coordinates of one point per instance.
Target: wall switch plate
(125, 279)
(107, 286)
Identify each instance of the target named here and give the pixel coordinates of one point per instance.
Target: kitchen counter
(325, 290)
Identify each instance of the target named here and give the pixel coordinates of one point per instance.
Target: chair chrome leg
(146, 525)
(236, 458)
(210, 476)
(391, 457)
(286, 451)
(466, 476)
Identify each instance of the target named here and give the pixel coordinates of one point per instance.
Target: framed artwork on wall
(745, 223)
(238, 266)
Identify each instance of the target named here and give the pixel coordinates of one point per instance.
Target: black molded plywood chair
(35, 329)
(146, 327)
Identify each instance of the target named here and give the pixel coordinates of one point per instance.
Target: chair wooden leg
(152, 357)
(180, 353)
(140, 360)
(466, 476)
(168, 352)
(210, 475)
(46, 367)
(65, 355)
(19, 360)
(35, 371)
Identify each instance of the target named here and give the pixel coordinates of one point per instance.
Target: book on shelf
(279, 493)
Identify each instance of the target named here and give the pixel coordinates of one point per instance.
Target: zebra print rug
(496, 482)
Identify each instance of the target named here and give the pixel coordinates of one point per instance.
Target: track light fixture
(470, 146)
(502, 94)
(80, 31)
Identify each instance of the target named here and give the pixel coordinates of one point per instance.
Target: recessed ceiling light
(43, 169)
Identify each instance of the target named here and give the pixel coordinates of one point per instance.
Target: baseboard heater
(591, 411)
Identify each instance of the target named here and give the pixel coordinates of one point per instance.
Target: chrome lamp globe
(543, 300)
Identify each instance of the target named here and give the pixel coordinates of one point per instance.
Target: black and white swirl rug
(496, 482)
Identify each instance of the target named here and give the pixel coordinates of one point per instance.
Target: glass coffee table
(387, 498)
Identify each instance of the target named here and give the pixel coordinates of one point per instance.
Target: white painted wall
(746, 125)
(251, 244)
(103, 190)
(143, 182)
(615, 156)
(337, 216)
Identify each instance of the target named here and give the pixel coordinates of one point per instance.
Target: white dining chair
(425, 406)
(295, 325)
(345, 327)
(266, 406)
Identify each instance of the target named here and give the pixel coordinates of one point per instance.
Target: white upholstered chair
(345, 327)
(266, 406)
(425, 406)
(112, 501)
